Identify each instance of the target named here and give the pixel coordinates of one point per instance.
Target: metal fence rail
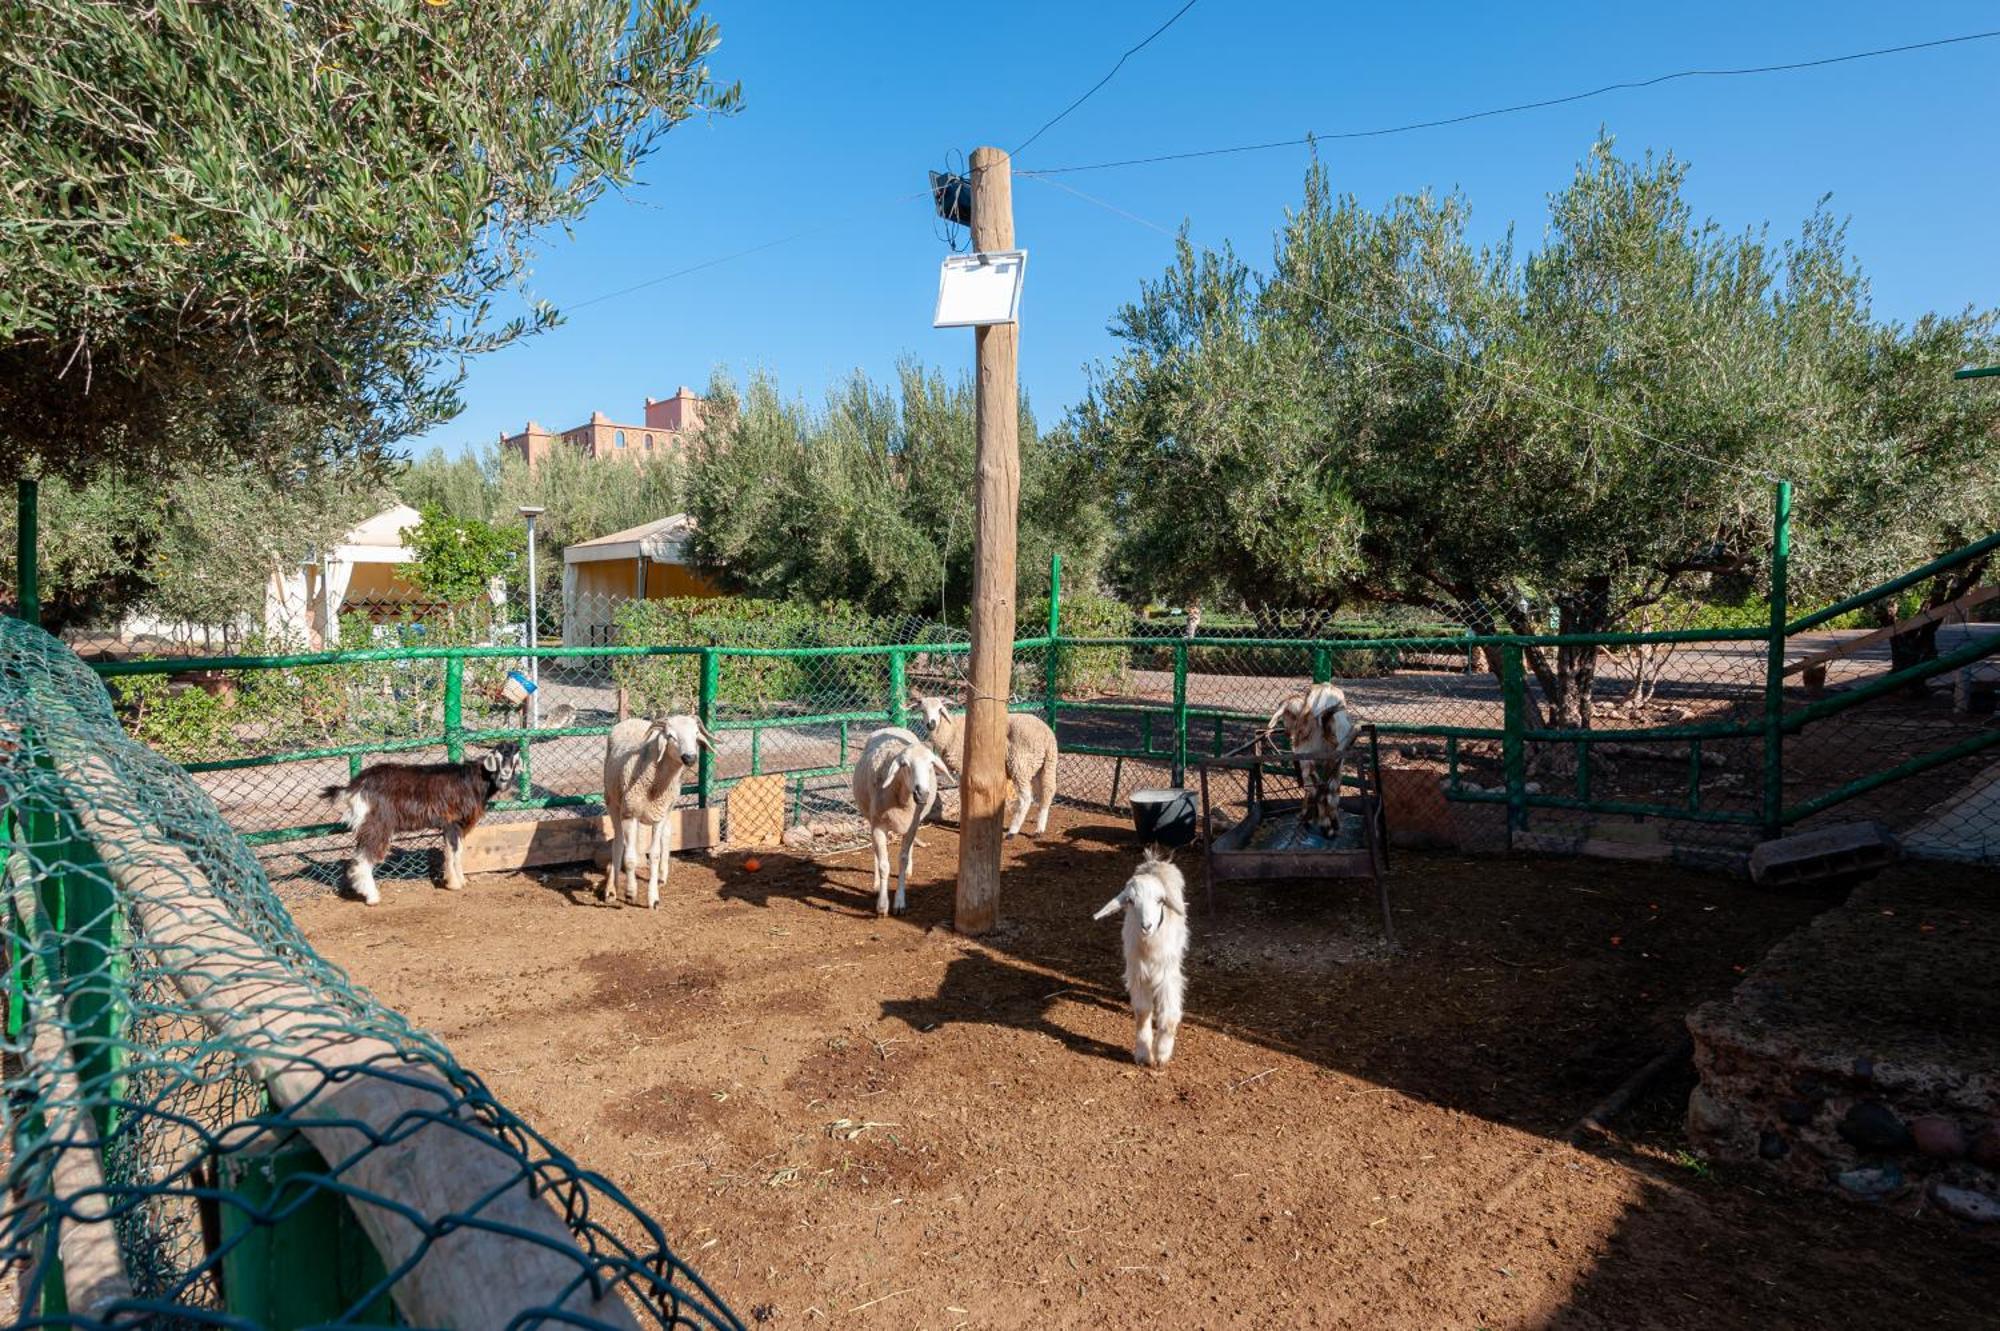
(1709, 733)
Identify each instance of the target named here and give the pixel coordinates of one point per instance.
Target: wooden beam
(1978, 596)
(93, 1265)
(389, 1125)
(996, 497)
(507, 847)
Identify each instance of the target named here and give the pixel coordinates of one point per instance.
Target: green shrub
(753, 684)
(1083, 672)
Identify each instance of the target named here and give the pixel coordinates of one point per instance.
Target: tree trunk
(1569, 684)
(1914, 648)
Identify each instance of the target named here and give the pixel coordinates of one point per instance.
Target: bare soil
(845, 1121)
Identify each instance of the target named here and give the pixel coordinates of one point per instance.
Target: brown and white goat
(390, 799)
(1321, 729)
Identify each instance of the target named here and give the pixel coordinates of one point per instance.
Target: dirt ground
(842, 1121)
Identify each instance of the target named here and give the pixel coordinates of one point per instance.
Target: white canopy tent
(302, 605)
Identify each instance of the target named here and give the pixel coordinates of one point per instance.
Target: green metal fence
(208, 1125)
(1739, 750)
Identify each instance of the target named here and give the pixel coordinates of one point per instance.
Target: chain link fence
(208, 1125)
(1671, 741)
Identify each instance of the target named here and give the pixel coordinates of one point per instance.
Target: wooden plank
(508, 847)
(93, 1266)
(757, 811)
(397, 1126)
(700, 829)
(1978, 596)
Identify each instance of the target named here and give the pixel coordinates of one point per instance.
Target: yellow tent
(647, 562)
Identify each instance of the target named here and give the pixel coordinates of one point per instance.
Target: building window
(618, 439)
(649, 443)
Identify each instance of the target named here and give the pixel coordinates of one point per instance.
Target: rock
(1708, 1116)
(1873, 1126)
(1937, 1137)
(798, 838)
(1798, 1113)
(1966, 1204)
(1870, 1181)
(1773, 1146)
(1985, 1147)
(1864, 1067)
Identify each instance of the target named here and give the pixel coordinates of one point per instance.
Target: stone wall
(1862, 1056)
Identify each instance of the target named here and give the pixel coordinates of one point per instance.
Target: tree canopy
(1573, 431)
(868, 500)
(196, 548)
(268, 232)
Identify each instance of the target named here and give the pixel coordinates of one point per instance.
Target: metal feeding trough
(1274, 799)
(1164, 817)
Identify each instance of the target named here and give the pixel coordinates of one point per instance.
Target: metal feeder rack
(1231, 857)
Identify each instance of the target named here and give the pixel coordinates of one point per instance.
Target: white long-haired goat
(645, 763)
(1156, 937)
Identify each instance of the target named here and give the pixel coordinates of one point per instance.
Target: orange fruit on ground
(752, 865)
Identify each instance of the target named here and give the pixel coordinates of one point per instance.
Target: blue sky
(847, 105)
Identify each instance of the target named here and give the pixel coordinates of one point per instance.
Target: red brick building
(668, 425)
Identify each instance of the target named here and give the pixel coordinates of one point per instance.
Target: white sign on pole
(979, 289)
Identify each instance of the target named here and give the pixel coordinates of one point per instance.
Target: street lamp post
(530, 637)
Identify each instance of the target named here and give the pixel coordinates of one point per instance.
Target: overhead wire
(1110, 74)
(1541, 104)
(829, 224)
(1403, 335)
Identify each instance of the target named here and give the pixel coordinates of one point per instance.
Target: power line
(1469, 116)
(1528, 390)
(1058, 117)
(828, 225)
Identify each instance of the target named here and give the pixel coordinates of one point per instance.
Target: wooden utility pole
(996, 495)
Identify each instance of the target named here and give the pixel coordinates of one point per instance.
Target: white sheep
(895, 785)
(644, 763)
(1156, 937)
(1031, 757)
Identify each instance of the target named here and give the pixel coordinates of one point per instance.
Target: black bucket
(1164, 817)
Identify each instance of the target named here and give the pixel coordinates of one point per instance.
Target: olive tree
(1559, 437)
(869, 499)
(269, 232)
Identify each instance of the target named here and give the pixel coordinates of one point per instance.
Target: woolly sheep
(1031, 757)
(895, 785)
(644, 763)
(1156, 937)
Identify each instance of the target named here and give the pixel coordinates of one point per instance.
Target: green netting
(209, 1125)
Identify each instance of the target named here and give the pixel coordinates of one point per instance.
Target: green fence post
(1513, 747)
(296, 1255)
(711, 680)
(454, 708)
(899, 688)
(93, 971)
(1180, 710)
(1052, 657)
(27, 541)
(1322, 665)
(1774, 665)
